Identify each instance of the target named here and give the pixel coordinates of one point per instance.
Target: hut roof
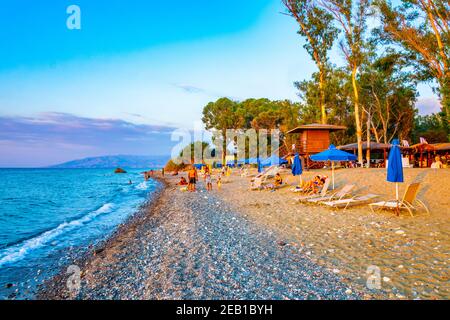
(442, 146)
(373, 145)
(423, 147)
(316, 126)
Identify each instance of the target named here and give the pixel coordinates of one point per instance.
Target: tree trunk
(357, 118)
(445, 97)
(322, 95)
(368, 141)
(224, 146)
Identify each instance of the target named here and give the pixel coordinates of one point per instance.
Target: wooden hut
(313, 138)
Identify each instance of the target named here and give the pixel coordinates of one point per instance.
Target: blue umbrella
(395, 165)
(198, 165)
(332, 154)
(230, 163)
(297, 169)
(260, 167)
(273, 160)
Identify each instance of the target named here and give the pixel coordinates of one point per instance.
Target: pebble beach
(242, 244)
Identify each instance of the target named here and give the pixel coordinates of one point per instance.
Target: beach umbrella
(273, 160)
(198, 165)
(297, 169)
(395, 166)
(332, 154)
(260, 167)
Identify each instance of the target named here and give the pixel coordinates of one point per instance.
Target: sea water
(48, 217)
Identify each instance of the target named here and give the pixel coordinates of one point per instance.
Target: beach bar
(378, 152)
(313, 138)
(423, 154)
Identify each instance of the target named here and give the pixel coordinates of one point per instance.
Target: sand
(412, 254)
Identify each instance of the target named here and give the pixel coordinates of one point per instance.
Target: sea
(49, 217)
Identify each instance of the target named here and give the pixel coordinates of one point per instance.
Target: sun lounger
(351, 202)
(343, 193)
(268, 173)
(409, 201)
(322, 194)
(256, 184)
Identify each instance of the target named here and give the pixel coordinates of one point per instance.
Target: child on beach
(208, 181)
(219, 182)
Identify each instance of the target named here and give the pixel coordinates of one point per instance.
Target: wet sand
(242, 244)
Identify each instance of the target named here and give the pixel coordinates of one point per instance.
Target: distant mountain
(124, 161)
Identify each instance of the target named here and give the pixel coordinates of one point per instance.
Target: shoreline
(55, 287)
(160, 256)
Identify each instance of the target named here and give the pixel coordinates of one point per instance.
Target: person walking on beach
(192, 176)
(208, 181)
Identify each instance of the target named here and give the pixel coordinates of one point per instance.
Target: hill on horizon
(123, 161)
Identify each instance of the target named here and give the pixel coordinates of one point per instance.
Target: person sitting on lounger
(278, 180)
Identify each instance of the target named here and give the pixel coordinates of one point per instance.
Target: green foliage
(422, 30)
(317, 28)
(194, 151)
(434, 128)
(388, 94)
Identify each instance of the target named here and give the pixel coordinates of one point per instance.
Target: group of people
(192, 175)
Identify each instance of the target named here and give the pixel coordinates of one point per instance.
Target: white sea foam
(142, 186)
(18, 252)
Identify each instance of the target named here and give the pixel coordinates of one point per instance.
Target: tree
(194, 151)
(221, 116)
(338, 93)
(421, 27)
(431, 127)
(351, 17)
(317, 28)
(389, 95)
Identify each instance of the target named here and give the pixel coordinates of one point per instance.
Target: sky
(135, 71)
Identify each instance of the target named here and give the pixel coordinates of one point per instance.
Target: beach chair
(322, 194)
(409, 201)
(256, 184)
(341, 194)
(351, 202)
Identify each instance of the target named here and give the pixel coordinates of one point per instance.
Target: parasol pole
(332, 172)
(396, 191)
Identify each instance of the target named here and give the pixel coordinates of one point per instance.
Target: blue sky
(143, 63)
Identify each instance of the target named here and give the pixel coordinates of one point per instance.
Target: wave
(18, 252)
(142, 186)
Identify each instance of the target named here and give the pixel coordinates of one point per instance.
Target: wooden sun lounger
(344, 192)
(351, 202)
(407, 203)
